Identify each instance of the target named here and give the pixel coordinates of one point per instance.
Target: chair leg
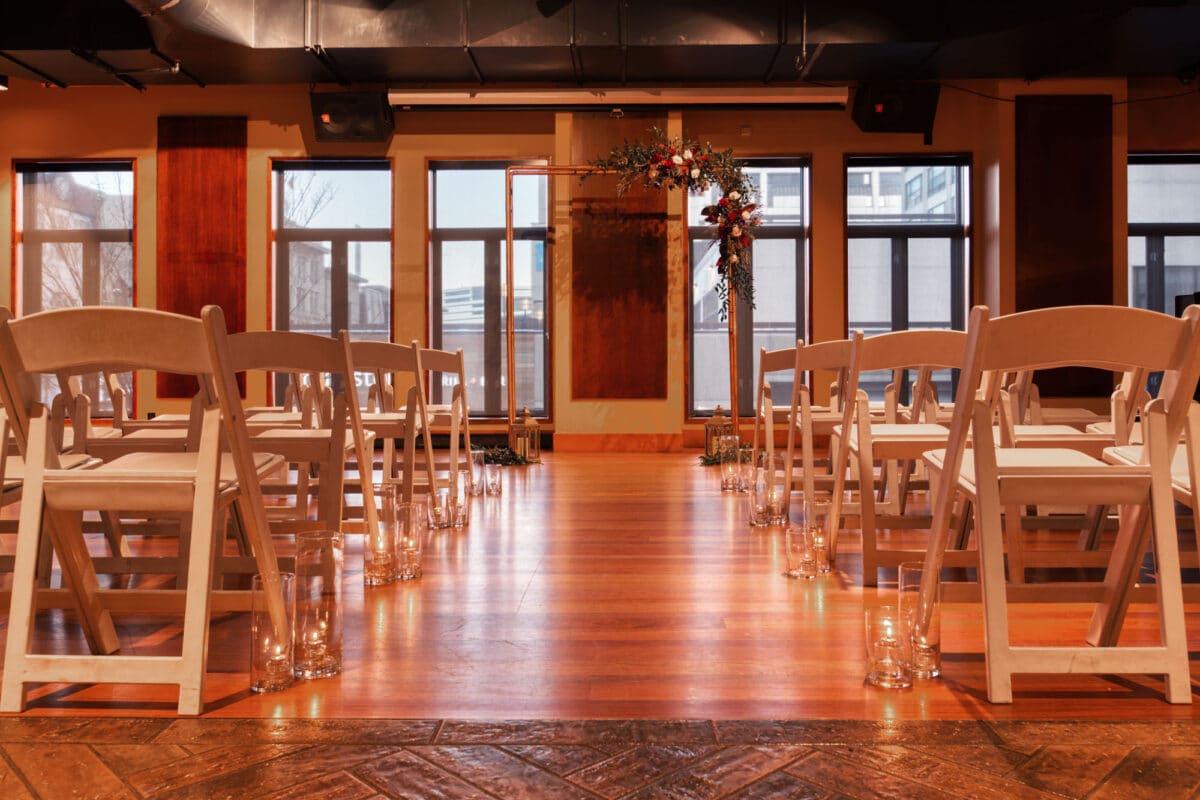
(995, 601)
(1016, 548)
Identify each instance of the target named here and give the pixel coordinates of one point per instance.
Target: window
(332, 223)
(467, 252)
(906, 254)
(1164, 230)
(75, 244)
(780, 267)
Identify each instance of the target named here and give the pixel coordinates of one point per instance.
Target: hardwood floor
(616, 613)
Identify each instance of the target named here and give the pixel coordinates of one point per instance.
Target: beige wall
(117, 122)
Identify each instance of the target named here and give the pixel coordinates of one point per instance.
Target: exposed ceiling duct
(590, 43)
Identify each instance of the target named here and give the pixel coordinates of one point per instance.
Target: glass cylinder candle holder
(729, 446)
(271, 653)
(459, 510)
(318, 637)
(411, 526)
(493, 483)
(379, 545)
(888, 648)
(815, 515)
(478, 471)
(926, 641)
(797, 544)
(756, 499)
(439, 509)
(770, 474)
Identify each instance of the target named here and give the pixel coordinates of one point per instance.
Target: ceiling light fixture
(3, 83)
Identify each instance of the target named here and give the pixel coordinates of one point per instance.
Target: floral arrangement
(683, 164)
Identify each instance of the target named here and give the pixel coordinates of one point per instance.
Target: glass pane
(710, 342)
(309, 298)
(462, 312)
(370, 291)
(355, 198)
(907, 195)
(469, 198)
(529, 283)
(929, 278)
(1181, 256)
(62, 276)
(869, 285)
(116, 273)
(1138, 297)
(782, 196)
(82, 200)
(1164, 193)
(530, 203)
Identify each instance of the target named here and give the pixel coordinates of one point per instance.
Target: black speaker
(896, 107)
(352, 117)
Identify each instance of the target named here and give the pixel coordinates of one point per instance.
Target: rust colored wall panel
(201, 222)
(618, 302)
(1064, 219)
(618, 274)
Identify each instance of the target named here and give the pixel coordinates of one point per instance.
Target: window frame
(1156, 233)
(29, 239)
(899, 234)
(747, 354)
(493, 239)
(339, 240)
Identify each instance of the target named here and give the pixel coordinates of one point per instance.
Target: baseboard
(618, 442)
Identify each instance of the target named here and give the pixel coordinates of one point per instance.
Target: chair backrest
(439, 363)
(385, 360)
(782, 360)
(1116, 338)
(76, 341)
(920, 350)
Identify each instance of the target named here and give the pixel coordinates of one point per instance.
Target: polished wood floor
(619, 586)
(609, 627)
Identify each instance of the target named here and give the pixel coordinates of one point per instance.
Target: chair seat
(1042, 465)
(902, 433)
(174, 464)
(1074, 417)
(387, 424)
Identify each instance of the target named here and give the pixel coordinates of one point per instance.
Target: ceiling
(589, 43)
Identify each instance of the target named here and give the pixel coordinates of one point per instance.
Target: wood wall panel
(201, 222)
(1064, 219)
(618, 274)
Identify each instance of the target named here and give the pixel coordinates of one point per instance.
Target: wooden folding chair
(391, 420)
(808, 420)
(998, 477)
(455, 417)
(335, 433)
(193, 484)
(887, 440)
(769, 362)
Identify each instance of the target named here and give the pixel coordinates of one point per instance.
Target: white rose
(734, 196)
(677, 159)
(695, 173)
(736, 230)
(687, 155)
(746, 215)
(733, 259)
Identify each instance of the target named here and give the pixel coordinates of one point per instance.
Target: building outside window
(1164, 230)
(779, 264)
(907, 249)
(74, 236)
(467, 252)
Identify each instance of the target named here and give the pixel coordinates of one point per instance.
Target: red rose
(724, 201)
(745, 241)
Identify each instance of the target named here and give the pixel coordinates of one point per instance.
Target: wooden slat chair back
(893, 443)
(809, 421)
(192, 484)
(335, 434)
(1108, 337)
(391, 419)
(769, 411)
(454, 416)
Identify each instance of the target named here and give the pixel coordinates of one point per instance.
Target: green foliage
(504, 456)
(693, 167)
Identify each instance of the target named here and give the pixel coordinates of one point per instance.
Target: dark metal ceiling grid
(589, 42)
